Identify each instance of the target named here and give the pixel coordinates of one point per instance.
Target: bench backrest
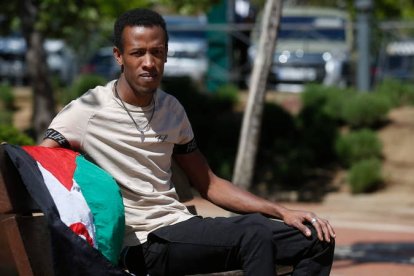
(24, 237)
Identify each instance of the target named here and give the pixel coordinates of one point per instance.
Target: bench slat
(14, 197)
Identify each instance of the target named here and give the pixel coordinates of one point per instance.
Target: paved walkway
(370, 241)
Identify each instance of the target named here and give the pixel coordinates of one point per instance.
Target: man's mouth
(149, 76)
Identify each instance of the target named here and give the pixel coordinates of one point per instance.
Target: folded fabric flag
(82, 204)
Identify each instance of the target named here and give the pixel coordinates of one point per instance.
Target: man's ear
(118, 56)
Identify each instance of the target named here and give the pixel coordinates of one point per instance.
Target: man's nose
(148, 60)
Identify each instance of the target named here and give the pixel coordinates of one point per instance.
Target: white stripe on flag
(71, 205)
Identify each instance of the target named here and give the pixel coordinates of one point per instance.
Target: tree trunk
(250, 133)
(43, 99)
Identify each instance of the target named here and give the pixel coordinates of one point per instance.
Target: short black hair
(137, 17)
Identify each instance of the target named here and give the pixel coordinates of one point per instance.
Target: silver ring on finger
(314, 220)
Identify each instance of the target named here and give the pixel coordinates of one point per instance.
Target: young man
(133, 130)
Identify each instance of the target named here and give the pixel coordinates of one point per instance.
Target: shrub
(313, 90)
(365, 176)
(398, 92)
(6, 104)
(318, 133)
(11, 135)
(6, 97)
(80, 86)
(6, 117)
(316, 96)
(213, 120)
(358, 145)
(326, 99)
(275, 162)
(227, 94)
(336, 102)
(366, 110)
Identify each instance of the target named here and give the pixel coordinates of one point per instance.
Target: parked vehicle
(60, 59)
(396, 61)
(313, 45)
(13, 60)
(103, 63)
(187, 47)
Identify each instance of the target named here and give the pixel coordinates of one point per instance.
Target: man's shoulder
(95, 97)
(168, 100)
(99, 92)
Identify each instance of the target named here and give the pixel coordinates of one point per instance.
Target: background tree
(250, 133)
(36, 20)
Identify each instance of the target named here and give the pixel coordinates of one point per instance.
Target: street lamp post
(364, 8)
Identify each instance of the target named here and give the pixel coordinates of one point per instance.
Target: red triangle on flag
(47, 157)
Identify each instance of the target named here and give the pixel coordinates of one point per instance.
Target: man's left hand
(298, 219)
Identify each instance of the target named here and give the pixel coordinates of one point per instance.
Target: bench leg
(28, 244)
(16, 246)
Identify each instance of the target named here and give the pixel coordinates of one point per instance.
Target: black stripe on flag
(72, 255)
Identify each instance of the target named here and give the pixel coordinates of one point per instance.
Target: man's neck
(128, 95)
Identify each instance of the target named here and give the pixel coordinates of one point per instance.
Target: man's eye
(158, 52)
(139, 53)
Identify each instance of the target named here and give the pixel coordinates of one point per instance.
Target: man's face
(143, 57)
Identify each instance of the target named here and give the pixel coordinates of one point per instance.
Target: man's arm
(230, 197)
(49, 143)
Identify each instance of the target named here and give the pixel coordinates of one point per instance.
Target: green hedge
(11, 135)
(365, 176)
(366, 110)
(6, 104)
(399, 93)
(6, 97)
(327, 100)
(347, 106)
(358, 145)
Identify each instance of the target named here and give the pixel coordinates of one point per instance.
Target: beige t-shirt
(98, 125)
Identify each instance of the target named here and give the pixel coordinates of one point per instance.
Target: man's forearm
(233, 198)
(49, 143)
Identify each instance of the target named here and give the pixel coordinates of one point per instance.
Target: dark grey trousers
(252, 243)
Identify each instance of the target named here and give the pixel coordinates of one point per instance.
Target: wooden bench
(24, 234)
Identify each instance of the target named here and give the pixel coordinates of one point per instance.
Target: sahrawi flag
(82, 204)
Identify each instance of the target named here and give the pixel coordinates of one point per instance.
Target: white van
(313, 45)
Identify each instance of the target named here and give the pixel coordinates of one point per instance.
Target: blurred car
(103, 63)
(396, 61)
(187, 47)
(12, 60)
(60, 59)
(313, 45)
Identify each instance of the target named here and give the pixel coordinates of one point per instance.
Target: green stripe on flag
(104, 198)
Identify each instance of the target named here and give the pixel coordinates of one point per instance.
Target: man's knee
(320, 247)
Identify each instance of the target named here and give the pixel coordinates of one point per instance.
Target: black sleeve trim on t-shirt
(57, 137)
(185, 148)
